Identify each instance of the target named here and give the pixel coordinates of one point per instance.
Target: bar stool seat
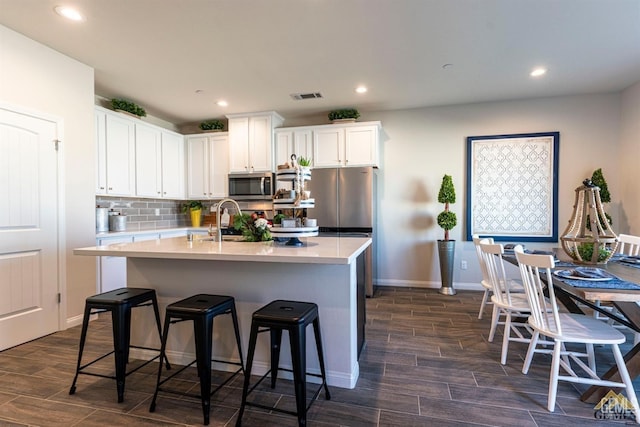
(201, 309)
(119, 302)
(294, 317)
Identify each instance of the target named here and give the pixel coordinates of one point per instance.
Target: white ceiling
(255, 53)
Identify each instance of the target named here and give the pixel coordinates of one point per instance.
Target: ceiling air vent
(301, 96)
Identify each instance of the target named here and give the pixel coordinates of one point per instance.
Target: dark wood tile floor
(427, 363)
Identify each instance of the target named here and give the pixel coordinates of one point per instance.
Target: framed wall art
(512, 187)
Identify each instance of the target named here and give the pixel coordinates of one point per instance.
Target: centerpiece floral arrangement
(254, 228)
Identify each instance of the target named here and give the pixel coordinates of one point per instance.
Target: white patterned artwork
(512, 186)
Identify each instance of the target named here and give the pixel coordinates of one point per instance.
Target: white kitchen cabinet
(207, 166)
(111, 270)
(346, 145)
(159, 163)
(115, 141)
(251, 141)
(288, 142)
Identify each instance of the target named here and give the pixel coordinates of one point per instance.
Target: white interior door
(28, 228)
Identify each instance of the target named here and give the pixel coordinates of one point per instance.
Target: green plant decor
(253, 227)
(128, 106)
(212, 125)
(302, 161)
(192, 205)
(605, 197)
(447, 194)
(345, 113)
(586, 252)
(277, 219)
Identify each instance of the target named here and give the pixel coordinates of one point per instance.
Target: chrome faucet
(220, 203)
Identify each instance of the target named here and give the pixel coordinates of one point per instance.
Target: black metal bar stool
(201, 309)
(294, 317)
(119, 302)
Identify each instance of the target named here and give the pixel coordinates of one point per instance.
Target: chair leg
(276, 341)
(483, 303)
(202, 329)
(156, 312)
(247, 373)
(553, 377)
(236, 329)
(83, 338)
(626, 379)
(297, 339)
(505, 338)
(121, 351)
(494, 322)
(318, 337)
(163, 352)
(532, 348)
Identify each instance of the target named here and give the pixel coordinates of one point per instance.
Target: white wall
(37, 78)
(629, 158)
(424, 144)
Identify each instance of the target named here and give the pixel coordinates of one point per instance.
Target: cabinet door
(284, 146)
(112, 271)
(328, 147)
(197, 167)
(260, 144)
(218, 166)
(120, 154)
(148, 161)
(303, 144)
(172, 165)
(101, 151)
(361, 146)
(239, 145)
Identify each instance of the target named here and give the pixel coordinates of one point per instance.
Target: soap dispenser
(224, 218)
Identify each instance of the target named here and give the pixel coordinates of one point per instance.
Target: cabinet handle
(110, 188)
(102, 188)
(158, 192)
(165, 193)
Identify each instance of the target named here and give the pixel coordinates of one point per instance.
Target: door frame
(60, 206)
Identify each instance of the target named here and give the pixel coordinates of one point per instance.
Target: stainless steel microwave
(251, 186)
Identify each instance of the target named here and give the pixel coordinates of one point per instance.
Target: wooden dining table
(624, 300)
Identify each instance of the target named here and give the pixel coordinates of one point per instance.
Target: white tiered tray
(290, 203)
(291, 174)
(294, 231)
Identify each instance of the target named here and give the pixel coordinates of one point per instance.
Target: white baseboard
(467, 286)
(77, 320)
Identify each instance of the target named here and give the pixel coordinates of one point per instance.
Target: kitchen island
(327, 271)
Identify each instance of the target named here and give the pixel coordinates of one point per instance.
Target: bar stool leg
(156, 312)
(163, 354)
(203, 329)
(316, 331)
(276, 342)
(297, 338)
(83, 338)
(236, 328)
(247, 373)
(120, 344)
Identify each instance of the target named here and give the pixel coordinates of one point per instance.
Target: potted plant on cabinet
(123, 105)
(344, 115)
(446, 247)
(194, 207)
(214, 125)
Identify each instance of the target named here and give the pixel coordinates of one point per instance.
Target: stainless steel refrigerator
(345, 206)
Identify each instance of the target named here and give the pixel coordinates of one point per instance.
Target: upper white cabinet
(344, 145)
(251, 141)
(159, 162)
(207, 165)
(291, 141)
(115, 139)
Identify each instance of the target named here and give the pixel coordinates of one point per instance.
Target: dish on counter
(584, 273)
(631, 259)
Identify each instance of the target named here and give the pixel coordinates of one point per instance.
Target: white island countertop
(316, 250)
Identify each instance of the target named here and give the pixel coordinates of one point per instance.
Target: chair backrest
(629, 245)
(483, 267)
(492, 257)
(535, 270)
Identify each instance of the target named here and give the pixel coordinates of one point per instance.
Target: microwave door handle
(262, 185)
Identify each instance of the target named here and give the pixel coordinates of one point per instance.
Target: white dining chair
(563, 328)
(512, 306)
(629, 245)
(485, 282)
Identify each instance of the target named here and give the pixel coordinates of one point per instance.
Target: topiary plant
(447, 194)
(605, 197)
(128, 106)
(212, 125)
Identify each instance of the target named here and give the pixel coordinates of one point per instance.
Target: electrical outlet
(463, 264)
(157, 212)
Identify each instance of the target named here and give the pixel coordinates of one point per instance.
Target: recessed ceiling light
(69, 13)
(222, 103)
(361, 89)
(537, 72)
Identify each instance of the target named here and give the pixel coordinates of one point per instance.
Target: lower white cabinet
(111, 270)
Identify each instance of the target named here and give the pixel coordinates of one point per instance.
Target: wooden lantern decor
(589, 239)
